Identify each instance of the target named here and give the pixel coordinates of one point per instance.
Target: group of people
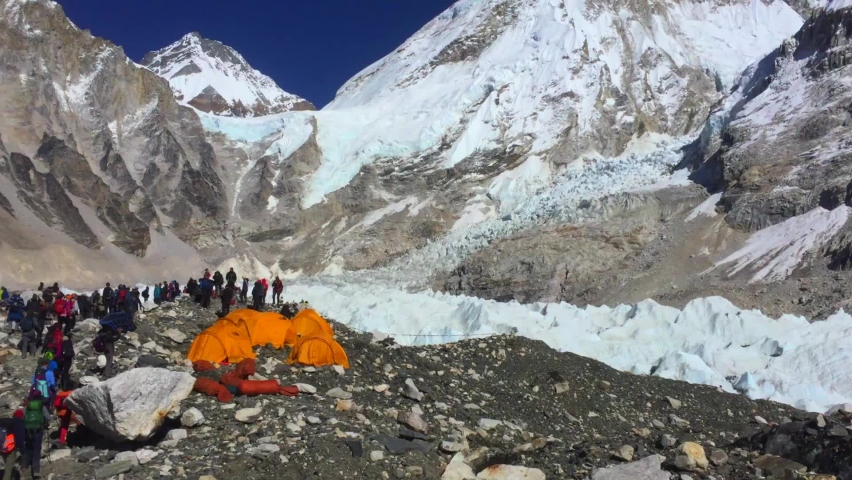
(224, 287)
(49, 307)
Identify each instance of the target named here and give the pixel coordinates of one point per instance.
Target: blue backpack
(40, 383)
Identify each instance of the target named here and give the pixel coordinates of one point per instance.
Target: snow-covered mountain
(214, 78)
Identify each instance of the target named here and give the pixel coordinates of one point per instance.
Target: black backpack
(27, 324)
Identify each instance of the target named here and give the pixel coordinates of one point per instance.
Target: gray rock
(411, 391)
(192, 418)
(777, 466)
(129, 406)
(176, 434)
(718, 457)
(413, 421)
(647, 468)
(625, 453)
(338, 392)
(838, 431)
(674, 403)
(377, 456)
(115, 468)
(458, 469)
(667, 440)
(306, 388)
(678, 422)
(510, 472)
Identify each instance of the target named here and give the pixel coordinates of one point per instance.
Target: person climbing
(145, 294)
(70, 313)
(4, 297)
(53, 342)
(164, 292)
(44, 380)
(107, 299)
(132, 304)
(36, 420)
(13, 431)
(120, 298)
(60, 308)
(84, 305)
(244, 291)
(28, 336)
(104, 343)
(257, 293)
(95, 300)
(206, 292)
(277, 289)
(231, 276)
(226, 296)
(15, 311)
(66, 361)
(218, 281)
(41, 321)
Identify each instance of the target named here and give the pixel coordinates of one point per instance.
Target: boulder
(510, 472)
(647, 469)
(248, 415)
(133, 405)
(777, 466)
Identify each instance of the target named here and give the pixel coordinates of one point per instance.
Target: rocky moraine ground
(491, 408)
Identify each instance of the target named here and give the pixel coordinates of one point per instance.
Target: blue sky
(309, 47)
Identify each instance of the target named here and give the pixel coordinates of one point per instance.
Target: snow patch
(707, 208)
(778, 250)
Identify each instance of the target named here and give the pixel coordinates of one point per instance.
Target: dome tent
(318, 350)
(264, 328)
(308, 322)
(222, 342)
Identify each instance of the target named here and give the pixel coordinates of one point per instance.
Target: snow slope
(486, 75)
(709, 342)
(194, 64)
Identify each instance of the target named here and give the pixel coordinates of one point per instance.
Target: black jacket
(231, 277)
(107, 295)
(218, 279)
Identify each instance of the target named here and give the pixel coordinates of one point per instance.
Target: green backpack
(34, 415)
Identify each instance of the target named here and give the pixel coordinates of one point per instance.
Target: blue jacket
(206, 285)
(48, 375)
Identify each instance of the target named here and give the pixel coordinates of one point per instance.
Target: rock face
(214, 78)
(133, 405)
(94, 147)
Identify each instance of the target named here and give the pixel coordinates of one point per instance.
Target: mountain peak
(215, 78)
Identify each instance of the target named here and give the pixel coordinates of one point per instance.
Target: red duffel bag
(252, 388)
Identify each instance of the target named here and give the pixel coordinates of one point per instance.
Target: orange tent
(318, 350)
(309, 322)
(264, 327)
(223, 341)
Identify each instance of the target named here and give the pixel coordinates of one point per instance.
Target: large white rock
(132, 405)
(458, 469)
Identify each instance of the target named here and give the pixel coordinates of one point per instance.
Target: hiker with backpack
(29, 339)
(107, 299)
(164, 292)
(132, 304)
(265, 284)
(257, 296)
(231, 276)
(44, 380)
(218, 281)
(277, 289)
(11, 433)
(226, 296)
(4, 296)
(95, 301)
(36, 421)
(84, 305)
(15, 311)
(66, 360)
(146, 294)
(104, 343)
(70, 314)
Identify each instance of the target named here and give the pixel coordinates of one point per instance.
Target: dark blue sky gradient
(309, 47)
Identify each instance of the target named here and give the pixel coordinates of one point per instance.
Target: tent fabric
(318, 350)
(223, 341)
(264, 328)
(308, 322)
